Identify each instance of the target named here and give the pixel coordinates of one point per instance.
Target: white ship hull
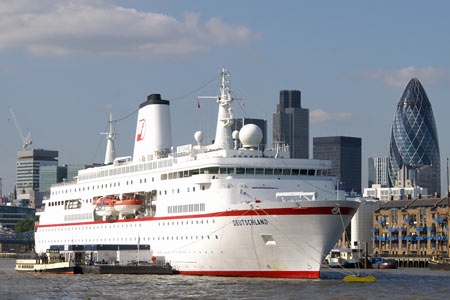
(263, 240)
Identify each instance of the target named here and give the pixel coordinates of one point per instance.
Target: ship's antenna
(225, 117)
(110, 136)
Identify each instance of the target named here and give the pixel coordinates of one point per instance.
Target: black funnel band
(154, 99)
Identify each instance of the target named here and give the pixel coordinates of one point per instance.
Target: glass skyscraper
(414, 140)
(291, 124)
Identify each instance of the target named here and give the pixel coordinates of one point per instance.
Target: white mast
(225, 119)
(110, 149)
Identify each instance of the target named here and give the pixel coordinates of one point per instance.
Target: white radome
(250, 135)
(198, 136)
(235, 135)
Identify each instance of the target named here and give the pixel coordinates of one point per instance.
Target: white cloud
(98, 27)
(400, 77)
(321, 116)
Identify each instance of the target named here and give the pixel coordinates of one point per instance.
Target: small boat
(51, 262)
(104, 206)
(127, 206)
(114, 206)
(345, 258)
(439, 264)
(381, 263)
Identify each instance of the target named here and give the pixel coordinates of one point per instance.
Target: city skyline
(70, 64)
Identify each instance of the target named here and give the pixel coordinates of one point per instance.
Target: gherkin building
(414, 140)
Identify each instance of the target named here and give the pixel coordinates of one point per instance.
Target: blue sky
(64, 65)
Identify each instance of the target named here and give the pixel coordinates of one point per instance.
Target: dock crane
(26, 141)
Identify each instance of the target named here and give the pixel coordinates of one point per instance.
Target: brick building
(417, 227)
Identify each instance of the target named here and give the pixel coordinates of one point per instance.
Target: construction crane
(26, 141)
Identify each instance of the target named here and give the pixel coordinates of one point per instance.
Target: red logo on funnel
(141, 130)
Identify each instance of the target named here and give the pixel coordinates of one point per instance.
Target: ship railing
(296, 196)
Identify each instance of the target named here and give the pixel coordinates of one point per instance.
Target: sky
(65, 65)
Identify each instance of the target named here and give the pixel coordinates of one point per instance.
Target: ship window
(249, 171)
(193, 172)
(230, 170)
(163, 176)
(319, 173)
(203, 187)
(277, 171)
(131, 181)
(240, 170)
(259, 171)
(311, 172)
(214, 170)
(178, 190)
(268, 171)
(222, 170)
(188, 189)
(170, 175)
(193, 189)
(303, 172)
(295, 172)
(287, 172)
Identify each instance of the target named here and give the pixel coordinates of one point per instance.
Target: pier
(409, 261)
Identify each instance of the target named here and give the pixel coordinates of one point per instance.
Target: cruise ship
(230, 208)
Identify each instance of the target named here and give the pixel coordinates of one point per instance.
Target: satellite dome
(198, 136)
(235, 135)
(250, 136)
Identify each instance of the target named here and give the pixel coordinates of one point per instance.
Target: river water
(406, 283)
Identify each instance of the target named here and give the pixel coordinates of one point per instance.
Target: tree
(24, 225)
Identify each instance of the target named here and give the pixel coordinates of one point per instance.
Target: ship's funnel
(153, 131)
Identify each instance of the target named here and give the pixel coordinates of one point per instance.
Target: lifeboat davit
(127, 206)
(104, 206)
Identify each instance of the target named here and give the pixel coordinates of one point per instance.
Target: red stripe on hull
(233, 213)
(267, 274)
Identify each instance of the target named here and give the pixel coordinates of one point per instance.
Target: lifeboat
(104, 206)
(127, 206)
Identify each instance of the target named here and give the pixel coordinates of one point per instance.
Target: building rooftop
(415, 203)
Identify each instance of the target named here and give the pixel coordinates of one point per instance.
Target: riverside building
(417, 227)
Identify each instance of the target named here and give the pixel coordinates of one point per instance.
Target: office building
(291, 124)
(11, 215)
(414, 147)
(385, 194)
(345, 155)
(378, 171)
(261, 123)
(28, 168)
(49, 175)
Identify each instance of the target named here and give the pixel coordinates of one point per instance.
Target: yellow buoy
(351, 278)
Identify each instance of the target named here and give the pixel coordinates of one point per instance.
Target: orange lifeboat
(127, 206)
(104, 206)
